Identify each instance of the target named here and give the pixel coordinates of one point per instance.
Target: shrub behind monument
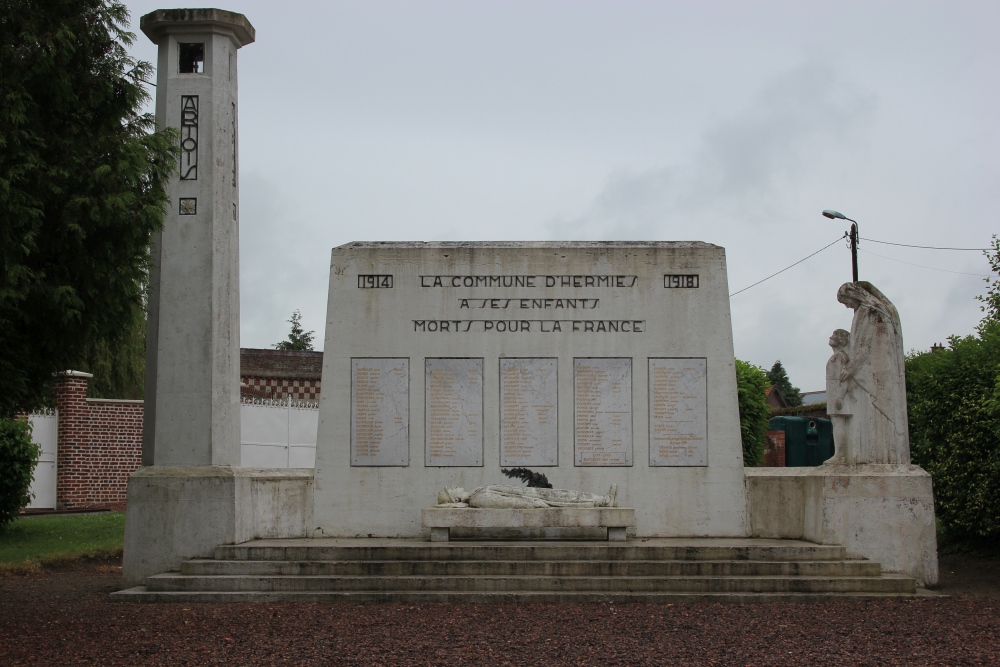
(954, 415)
(751, 383)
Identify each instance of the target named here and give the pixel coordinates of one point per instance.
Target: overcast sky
(734, 123)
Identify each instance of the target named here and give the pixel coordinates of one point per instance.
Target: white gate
(45, 433)
(278, 434)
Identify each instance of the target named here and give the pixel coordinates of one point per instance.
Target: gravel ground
(64, 617)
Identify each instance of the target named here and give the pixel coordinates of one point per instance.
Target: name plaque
(529, 425)
(678, 412)
(603, 411)
(453, 423)
(380, 412)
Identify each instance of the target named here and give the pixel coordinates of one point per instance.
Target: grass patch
(30, 542)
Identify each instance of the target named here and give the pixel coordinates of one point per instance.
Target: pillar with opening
(186, 497)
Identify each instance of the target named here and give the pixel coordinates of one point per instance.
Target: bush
(751, 383)
(18, 458)
(954, 416)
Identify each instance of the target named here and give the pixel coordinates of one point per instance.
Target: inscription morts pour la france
(605, 363)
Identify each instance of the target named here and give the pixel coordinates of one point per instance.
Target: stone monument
(607, 365)
(190, 494)
(868, 497)
(600, 364)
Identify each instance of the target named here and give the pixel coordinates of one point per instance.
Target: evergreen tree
(83, 180)
(779, 378)
(118, 365)
(297, 338)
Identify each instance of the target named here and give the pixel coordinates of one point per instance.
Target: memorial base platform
(475, 571)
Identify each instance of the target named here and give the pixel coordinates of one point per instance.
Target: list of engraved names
(454, 412)
(529, 434)
(678, 412)
(603, 407)
(380, 412)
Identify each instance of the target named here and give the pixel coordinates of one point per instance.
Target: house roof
(284, 364)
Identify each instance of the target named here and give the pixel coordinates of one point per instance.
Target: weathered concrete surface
(776, 498)
(181, 512)
(701, 492)
(881, 512)
(193, 338)
(398, 570)
(441, 519)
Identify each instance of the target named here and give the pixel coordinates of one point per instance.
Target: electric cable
(789, 266)
(925, 247)
(892, 259)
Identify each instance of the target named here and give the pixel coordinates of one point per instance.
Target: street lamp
(854, 238)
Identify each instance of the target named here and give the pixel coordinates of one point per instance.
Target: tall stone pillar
(190, 495)
(192, 346)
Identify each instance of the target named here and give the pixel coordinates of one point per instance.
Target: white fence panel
(278, 434)
(45, 432)
(303, 423)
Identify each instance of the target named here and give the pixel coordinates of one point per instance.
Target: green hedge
(18, 458)
(954, 415)
(751, 383)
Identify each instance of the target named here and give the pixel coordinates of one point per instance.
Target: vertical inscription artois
(453, 422)
(603, 411)
(678, 412)
(380, 412)
(189, 138)
(233, 129)
(529, 432)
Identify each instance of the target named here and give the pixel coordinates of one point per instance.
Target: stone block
(441, 520)
(599, 363)
(881, 512)
(178, 512)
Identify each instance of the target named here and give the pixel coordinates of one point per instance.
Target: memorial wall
(595, 363)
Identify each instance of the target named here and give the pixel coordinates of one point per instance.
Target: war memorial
(607, 366)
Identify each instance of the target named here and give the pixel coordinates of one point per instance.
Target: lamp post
(853, 235)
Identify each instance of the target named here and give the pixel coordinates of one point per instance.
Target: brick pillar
(71, 406)
(774, 455)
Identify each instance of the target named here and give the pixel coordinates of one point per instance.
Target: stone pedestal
(881, 512)
(180, 512)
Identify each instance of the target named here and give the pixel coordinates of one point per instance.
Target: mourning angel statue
(866, 386)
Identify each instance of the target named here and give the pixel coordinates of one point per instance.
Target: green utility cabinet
(808, 440)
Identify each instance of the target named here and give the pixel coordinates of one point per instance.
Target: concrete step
(141, 594)
(343, 550)
(562, 568)
(174, 581)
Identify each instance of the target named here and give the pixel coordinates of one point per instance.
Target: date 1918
(680, 281)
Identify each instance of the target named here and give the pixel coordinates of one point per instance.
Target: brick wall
(774, 449)
(100, 445)
(278, 374)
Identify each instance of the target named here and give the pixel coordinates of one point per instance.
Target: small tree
(297, 338)
(751, 383)
(779, 378)
(18, 458)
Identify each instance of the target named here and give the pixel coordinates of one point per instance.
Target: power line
(789, 266)
(892, 259)
(925, 247)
